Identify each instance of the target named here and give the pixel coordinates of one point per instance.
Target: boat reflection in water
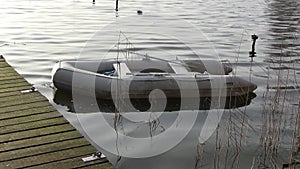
(65, 99)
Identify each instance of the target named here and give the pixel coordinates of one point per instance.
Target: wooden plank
(2, 79)
(29, 134)
(3, 64)
(7, 69)
(74, 163)
(4, 86)
(12, 81)
(47, 115)
(24, 106)
(27, 112)
(33, 125)
(14, 101)
(104, 165)
(11, 78)
(33, 95)
(41, 160)
(7, 74)
(69, 163)
(38, 141)
(17, 88)
(12, 93)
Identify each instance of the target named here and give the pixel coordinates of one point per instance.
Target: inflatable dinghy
(137, 79)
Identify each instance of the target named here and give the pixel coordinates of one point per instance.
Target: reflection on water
(65, 99)
(284, 22)
(278, 114)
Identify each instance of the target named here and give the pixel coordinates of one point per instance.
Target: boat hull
(140, 87)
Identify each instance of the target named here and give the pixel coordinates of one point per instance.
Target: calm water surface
(38, 33)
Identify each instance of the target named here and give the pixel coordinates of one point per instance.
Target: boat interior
(154, 67)
(143, 67)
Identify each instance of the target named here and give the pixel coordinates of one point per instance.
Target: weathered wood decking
(33, 134)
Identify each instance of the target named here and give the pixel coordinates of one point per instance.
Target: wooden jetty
(33, 134)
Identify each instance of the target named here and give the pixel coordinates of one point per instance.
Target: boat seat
(122, 70)
(179, 68)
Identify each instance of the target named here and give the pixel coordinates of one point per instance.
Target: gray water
(37, 33)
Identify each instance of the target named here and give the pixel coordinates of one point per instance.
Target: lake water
(36, 34)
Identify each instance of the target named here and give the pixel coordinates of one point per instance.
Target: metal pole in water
(117, 5)
(252, 53)
(94, 1)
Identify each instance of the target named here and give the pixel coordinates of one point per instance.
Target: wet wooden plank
(39, 144)
(7, 74)
(34, 95)
(104, 165)
(9, 85)
(74, 162)
(16, 76)
(40, 160)
(45, 115)
(24, 106)
(31, 126)
(3, 64)
(26, 112)
(15, 101)
(13, 89)
(11, 80)
(29, 134)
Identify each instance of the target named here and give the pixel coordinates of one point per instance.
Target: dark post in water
(252, 52)
(94, 1)
(117, 5)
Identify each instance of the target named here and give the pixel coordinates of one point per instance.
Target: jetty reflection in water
(65, 99)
